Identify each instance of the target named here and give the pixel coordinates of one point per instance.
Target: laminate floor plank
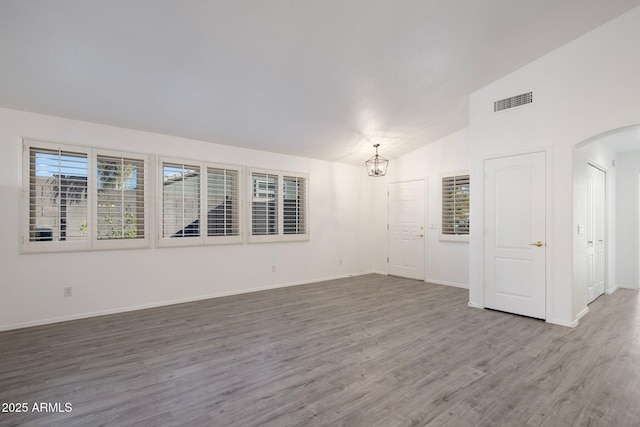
(364, 351)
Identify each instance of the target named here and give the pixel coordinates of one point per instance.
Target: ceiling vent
(514, 101)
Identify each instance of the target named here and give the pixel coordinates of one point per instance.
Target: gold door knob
(420, 235)
(538, 243)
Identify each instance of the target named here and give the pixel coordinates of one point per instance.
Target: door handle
(538, 243)
(420, 235)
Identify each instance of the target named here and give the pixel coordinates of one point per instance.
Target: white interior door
(514, 239)
(406, 229)
(596, 205)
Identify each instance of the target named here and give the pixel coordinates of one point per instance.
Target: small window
(195, 193)
(278, 206)
(455, 207)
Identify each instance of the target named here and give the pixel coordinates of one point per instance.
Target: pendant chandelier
(377, 165)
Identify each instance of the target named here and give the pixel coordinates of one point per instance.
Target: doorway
(596, 214)
(406, 229)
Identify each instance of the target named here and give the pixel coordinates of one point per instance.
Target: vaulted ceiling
(322, 79)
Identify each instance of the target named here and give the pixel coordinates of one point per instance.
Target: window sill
(460, 238)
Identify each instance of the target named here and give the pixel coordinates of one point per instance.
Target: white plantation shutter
(455, 205)
(295, 205)
(180, 200)
(200, 203)
(120, 198)
(264, 204)
(57, 195)
(79, 198)
(278, 206)
(223, 209)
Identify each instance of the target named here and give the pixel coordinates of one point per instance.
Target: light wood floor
(365, 351)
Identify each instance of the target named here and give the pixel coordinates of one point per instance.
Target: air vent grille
(514, 101)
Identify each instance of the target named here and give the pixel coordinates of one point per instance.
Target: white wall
(445, 262)
(582, 89)
(600, 155)
(31, 286)
(628, 218)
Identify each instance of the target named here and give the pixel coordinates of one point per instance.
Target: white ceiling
(322, 79)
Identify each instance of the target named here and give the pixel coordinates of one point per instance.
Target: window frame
(280, 236)
(452, 237)
(122, 243)
(202, 239)
(91, 242)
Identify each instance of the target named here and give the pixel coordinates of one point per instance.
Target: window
(455, 208)
(278, 206)
(264, 204)
(120, 198)
(195, 193)
(222, 202)
(79, 198)
(294, 205)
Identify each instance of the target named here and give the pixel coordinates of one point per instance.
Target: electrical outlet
(340, 261)
(273, 268)
(68, 291)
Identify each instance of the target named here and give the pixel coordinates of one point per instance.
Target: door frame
(425, 181)
(548, 151)
(637, 233)
(603, 169)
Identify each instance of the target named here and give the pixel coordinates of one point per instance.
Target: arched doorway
(606, 215)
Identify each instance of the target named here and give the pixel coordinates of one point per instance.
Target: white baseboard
(563, 323)
(455, 285)
(474, 305)
(171, 302)
(625, 286)
(610, 291)
(582, 313)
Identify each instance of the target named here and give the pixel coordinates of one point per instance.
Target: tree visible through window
(120, 202)
(455, 205)
(81, 198)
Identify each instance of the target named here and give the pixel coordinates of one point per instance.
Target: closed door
(406, 229)
(514, 239)
(596, 202)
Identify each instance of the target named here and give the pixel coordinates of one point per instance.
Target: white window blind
(294, 205)
(80, 198)
(120, 198)
(278, 206)
(264, 204)
(223, 202)
(200, 203)
(57, 195)
(180, 200)
(455, 205)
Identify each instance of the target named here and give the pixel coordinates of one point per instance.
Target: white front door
(514, 239)
(596, 199)
(406, 229)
